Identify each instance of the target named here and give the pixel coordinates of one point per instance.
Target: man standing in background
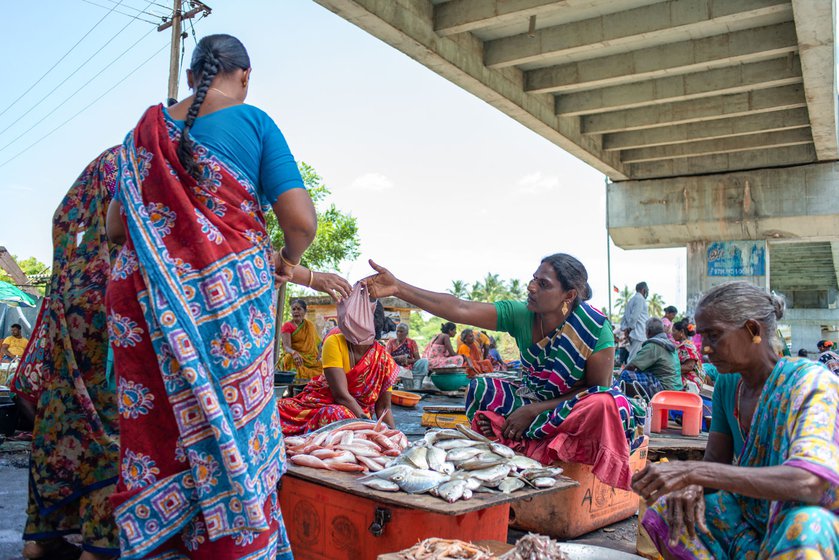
(635, 317)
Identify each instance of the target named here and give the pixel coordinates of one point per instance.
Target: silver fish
(452, 491)
(499, 472)
(510, 485)
(436, 458)
(464, 454)
(450, 444)
(472, 434)
(417, 481)
(479, 463)
(418, 456)
(521, 462)
(467, 494)
(544, 482)
(447, 434)
(382, 485)
(532, 474)
(387, 472)
(485, 490)
(447, 468)
(501, 449)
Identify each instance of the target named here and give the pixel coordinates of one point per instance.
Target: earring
(564, 307)
(756, 339)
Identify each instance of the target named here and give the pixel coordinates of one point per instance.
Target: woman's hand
(519, 422)
(297, 359)
(333, 285)
(282, 272)
(685, 510)
(382, 284)
(656, 480)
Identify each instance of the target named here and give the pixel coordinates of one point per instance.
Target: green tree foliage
(459, 289)
(623, 298)
(337, 238)
(30, 267)
(655, 305)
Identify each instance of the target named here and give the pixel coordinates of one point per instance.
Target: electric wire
(51, 68)
(73, 73)
(86, 107)
(132, 16)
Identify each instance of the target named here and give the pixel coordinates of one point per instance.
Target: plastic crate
(577, 511)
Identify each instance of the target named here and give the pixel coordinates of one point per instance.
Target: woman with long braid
(190, 317)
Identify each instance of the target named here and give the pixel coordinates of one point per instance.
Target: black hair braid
(209, 71)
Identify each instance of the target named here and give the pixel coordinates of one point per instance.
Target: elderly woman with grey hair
(655, 367)
(405, 353)
(768, 485)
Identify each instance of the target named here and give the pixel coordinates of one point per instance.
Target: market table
(330, 515)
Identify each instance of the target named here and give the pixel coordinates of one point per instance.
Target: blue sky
(443, 185)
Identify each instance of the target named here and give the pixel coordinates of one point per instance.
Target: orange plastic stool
(689, 404)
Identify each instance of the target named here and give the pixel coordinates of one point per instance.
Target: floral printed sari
(796, 423)
(190, 318)
(75, 444)
(315, 407)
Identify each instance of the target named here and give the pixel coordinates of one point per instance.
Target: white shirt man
(635, 319)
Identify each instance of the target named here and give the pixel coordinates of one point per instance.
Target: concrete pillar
(710, 264)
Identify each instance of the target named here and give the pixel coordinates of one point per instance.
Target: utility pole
(175, 23)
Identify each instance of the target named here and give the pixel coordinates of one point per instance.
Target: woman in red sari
(357, 376)
(690, 360)
(190, 318)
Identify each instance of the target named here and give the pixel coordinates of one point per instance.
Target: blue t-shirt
(249, 138)
(723, 420)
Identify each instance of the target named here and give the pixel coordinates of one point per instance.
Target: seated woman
(405, 353)
(472, 355)
(300, 343)
(775, 421)
(655, 367)
(440, 353)
(565, 407)
(494, 355)
(357, 376)
(690, 360)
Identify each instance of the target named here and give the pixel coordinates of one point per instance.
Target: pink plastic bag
(355, 316)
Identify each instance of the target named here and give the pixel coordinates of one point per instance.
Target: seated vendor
(439, 352)
(494, 356)
(566, 407)
(767, 487)
(357, 376)
(655, 367)
(472, 355)
(14, 345)
(300, 343)
(690, 360)
(405, 353)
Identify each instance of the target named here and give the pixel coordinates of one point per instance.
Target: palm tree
(623, 298)
(655, 305)
(516, 289)
(459, 289)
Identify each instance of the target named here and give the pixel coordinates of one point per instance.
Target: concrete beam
(734, 79)
(407, 26)
(705, 109)
(834, 249)
(814, 24)
(460, 16)
(721, 163)
(782, 203)
(718, 128)
(695, 55)
(657, 24)
(779, 139)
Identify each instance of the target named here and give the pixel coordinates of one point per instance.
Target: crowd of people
(157, 433)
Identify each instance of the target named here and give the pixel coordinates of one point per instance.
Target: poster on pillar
(737, 258)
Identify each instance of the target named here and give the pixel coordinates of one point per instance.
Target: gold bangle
(311, 277)
(284, 260)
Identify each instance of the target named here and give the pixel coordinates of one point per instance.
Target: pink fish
(309, 461)
(371, 464)
(345, 467)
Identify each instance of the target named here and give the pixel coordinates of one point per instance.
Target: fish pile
(445, 549)
(354, 446)
(454, 464)
(535, 547)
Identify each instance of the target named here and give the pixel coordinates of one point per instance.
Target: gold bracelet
(284, 260)
(311, 277)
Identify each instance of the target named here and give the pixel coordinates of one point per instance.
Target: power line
(86, 107)
(72, 95)
(51, 68)
(73, 73)
(132, 16)
(149, 12)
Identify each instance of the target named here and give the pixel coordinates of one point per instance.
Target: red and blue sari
(190, 319)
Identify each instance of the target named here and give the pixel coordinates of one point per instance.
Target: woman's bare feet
(58, 549)
(485, 427)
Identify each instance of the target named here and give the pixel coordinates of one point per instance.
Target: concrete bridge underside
(715, 119)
